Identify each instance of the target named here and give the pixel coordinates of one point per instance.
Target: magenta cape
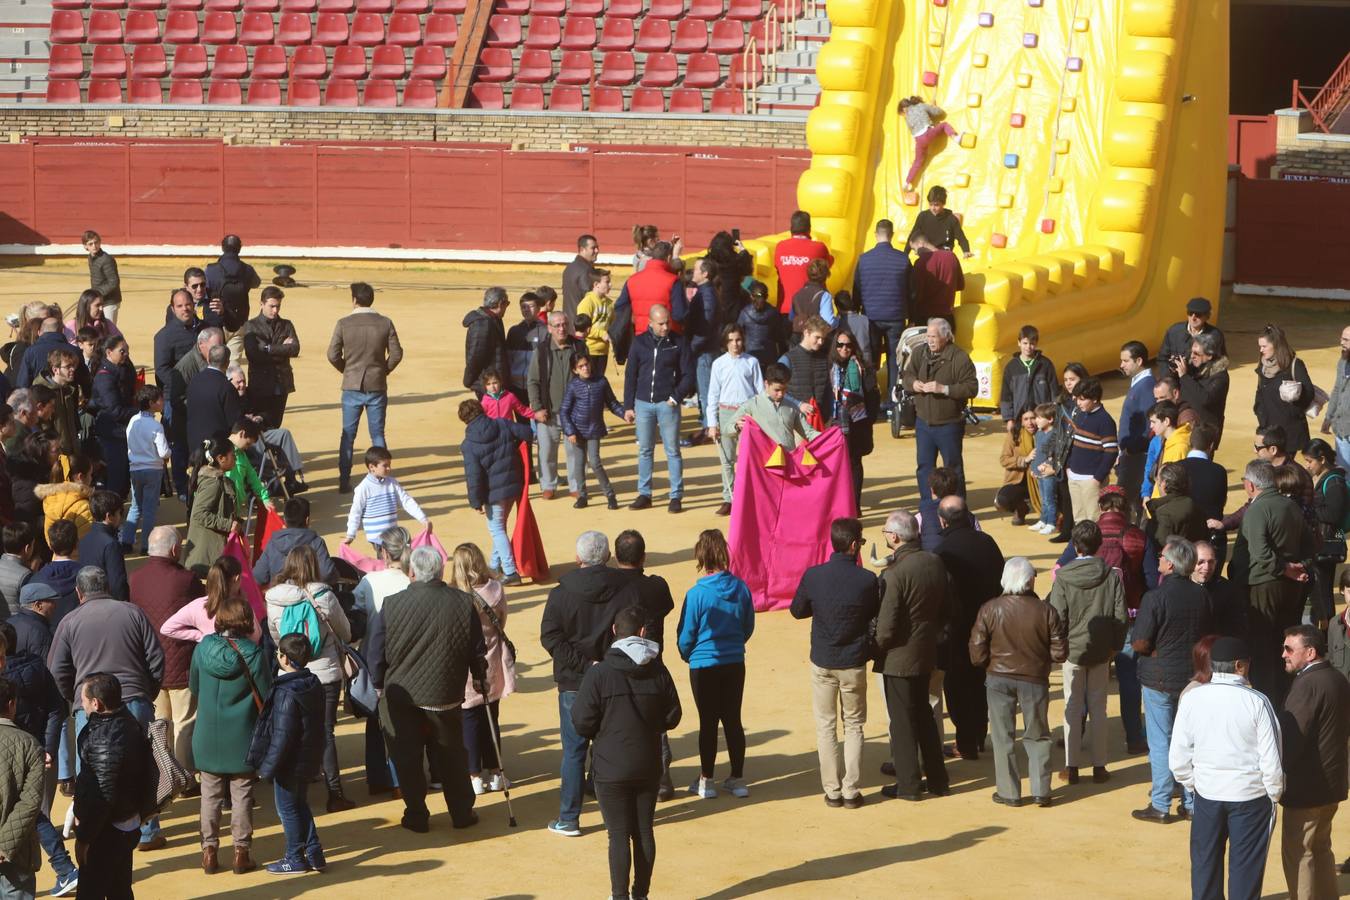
(781, 514)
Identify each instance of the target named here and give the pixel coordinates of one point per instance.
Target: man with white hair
(1017, 637)
(942, 379)
(575, 631)
(212, 403)
(423, 645)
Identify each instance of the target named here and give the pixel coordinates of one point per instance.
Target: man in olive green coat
(21, 777)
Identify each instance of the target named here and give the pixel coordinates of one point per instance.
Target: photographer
(1176, 342)
(1203, 376)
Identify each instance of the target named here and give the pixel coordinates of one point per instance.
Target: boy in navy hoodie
(583, 421)
(287, 747)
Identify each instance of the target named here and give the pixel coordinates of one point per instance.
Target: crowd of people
(210, 664)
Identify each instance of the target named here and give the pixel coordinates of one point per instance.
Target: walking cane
(501, 763)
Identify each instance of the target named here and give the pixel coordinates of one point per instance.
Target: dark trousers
(478, 743)
(107, 865)
(332, 773)
(117, 471)
(1273, 606)
(890, 336)
(628, 810)
(1244, 826)
(718, 691)
(176, 434)
(410, 731)
(913, 733)
(929, 441)
(598, 366)
(272, 410)
(967, 703)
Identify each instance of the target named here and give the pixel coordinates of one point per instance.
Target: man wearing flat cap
(33, 622)
(1226, 748)
(1176, 342)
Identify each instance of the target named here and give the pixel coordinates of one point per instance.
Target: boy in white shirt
(147, 451)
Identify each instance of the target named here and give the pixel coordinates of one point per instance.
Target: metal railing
(1331, 100)
(749, 95)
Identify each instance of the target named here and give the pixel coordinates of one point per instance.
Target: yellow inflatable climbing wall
(1090, 173)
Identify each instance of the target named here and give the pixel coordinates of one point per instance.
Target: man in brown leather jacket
(1017, 637)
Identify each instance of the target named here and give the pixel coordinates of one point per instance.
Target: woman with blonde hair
(395, 550)
(469, 573)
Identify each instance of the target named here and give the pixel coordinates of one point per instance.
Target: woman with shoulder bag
(1332, 499)
(395, 550)
(1284, 391)
(469, 573)
(230, 675)
(300, 602)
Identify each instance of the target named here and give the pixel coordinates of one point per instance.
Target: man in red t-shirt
(793, 255)
(938, 277)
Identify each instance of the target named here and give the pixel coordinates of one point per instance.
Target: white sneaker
(478, 786)
(736, 787)
(1046, 528)
(1035, 526)
(704, 788)
(500, 782)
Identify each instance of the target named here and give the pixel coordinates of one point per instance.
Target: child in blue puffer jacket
(582, 416)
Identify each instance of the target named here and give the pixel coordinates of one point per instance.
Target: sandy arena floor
(782, 841)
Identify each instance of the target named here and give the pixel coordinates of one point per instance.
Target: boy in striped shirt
(377, 498)
(1094, 449)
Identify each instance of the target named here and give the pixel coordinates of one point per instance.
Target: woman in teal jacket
(716, 620)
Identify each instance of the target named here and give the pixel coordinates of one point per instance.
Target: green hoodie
(226, 712)
(1090, 599)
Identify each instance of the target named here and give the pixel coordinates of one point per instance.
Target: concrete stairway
(24, 27)
(794, 90)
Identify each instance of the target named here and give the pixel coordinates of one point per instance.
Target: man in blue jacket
(882, 286)
(1133, 435)
(659, 373)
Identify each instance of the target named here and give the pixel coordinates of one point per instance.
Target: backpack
(1112, 552)
(302, 618)
(1344, 525)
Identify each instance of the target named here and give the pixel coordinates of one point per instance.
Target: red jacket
(160, 588)
(653, 285)
(790, 258)
(939, 277)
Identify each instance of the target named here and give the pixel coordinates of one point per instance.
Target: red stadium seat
(189, 62)
(578, 33)
(181, 27)
(405, 30)
(727, 102)
(189, 92)
(61, 90)
(563, 98)
(666, 9)
(617, 34)
(231, 62)
(550, 8)
(337, 6)
(109, 4)
(589, 8)
(705, 9)
(302, 92)
(494, 65)
(577, 68)
(745, 10)
(69, 4)
(485, 96)
(739, 76)
(442, 30)
(686, 100)
(648, 100)
(703, 70)
(367, 29)
(449, 6)
(223, 6)
(331, 30)
(267, 6)
(66, 61)
(503, 31)
(105, 27)
(269, 64)
(618, 69)
(294, 30)
(105, 90)
(264, 93)
(219, 28)
(380, 93)
(340, 92)
(606, 100)
(152, 5)
(350, 62)
(661, 70)
(512, 7)
(653, 36)
(529, 97)
(299, 6)
(142, 27)
(545, 33)
(144, 90)
(419, 94)
(624, 9)
(415, 7)
(257, 29)
(308, 63)
(386, 62)
(224, 93)
(383, 7)
(189, 5)
(536, 67)
(691, 36)
(428, 62)
(147, 61)
(727, 37)
(762, 42)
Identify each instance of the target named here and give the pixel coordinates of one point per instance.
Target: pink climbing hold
(1030, 39)
(1036, 3)
(1075, 64)
(1047, 226)
(998, 240)
(930, 79)
(939, 2)
(986, 20)
(1017, 120)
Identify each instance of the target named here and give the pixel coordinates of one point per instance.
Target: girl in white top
(394, 550)
(734, 379)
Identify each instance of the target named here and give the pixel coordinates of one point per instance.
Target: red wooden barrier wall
(1293, 233)
(1251, 144)
(470, 197)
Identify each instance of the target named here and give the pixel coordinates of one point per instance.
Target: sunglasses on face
(843, 344)
(1258, 447)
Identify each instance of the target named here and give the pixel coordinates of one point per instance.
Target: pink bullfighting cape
(782, 508)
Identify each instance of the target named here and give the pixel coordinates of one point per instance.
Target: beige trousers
(179, 707)
(1305, 849)
(240, 788)
(833, 690)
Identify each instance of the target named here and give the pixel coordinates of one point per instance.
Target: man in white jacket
(1226, 748)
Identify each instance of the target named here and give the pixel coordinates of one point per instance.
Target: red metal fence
(1293, 233)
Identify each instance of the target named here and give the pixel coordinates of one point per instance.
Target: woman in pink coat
(469, 573)
(198, 619)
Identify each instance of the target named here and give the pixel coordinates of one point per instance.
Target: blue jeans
(650, 417)
(374, 403)
(142, 711)
(1343, 452)
(145, 484)
(929, 441)
(65, 754)
(52, 844)
(1046, 485)
(1127, 674)
(890, 340)
(16, 885)
(503, 557)
(574, 748)
(703, 373)
(297, 820)
(1160, 711)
